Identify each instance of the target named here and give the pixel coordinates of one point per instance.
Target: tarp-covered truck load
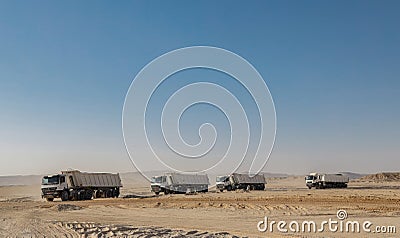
(179, 183)
(76, 185)
(188, 178)
(83, 179)
(334, 178)
(247, 179)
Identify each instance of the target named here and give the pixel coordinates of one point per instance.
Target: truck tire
(221, 190)
(80, 195)
(116, 193)
(88, 194)
(74, 195)
(49, 199)
(229, 188)
(97, 194)
(260, 187)
(110, 193)
(64, 195)
(157, 193)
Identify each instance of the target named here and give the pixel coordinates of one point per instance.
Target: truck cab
(222, 182)
(158, 184)
(311, 180)
(52, 185)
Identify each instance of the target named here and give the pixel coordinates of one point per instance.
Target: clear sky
(332, 68)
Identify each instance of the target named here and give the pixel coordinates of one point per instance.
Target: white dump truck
(320, 180)
(240, 181)
(76, 185)
(179, 183)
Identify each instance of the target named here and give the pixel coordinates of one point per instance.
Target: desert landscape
(374, 198)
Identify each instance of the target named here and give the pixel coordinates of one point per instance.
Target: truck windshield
(221, 178)
(310, 177)
(51, 179)
(156, 179)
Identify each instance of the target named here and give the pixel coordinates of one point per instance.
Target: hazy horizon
(160, 171)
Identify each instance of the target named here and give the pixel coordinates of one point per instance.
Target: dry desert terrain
(229, 214)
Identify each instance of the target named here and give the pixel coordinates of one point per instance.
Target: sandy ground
(215, 214)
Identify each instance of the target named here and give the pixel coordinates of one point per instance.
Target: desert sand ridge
(382, 177)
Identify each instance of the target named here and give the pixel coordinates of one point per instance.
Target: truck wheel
(309, 187)
(157, 193)
(49, 199)
(80, 195)
(64, 196)
(229, 188)
(97, 194)
(74, 195)
(115, 193)
(221, 190)
(88, 194)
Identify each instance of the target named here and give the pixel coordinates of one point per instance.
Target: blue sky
(331, 67)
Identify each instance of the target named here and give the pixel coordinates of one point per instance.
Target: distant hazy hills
(20, 180)
(136, 177)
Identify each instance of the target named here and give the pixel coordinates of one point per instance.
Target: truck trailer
(179, 183)
(320, 180)
(240, 181)
(76, 185)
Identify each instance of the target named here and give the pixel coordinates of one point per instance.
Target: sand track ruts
(251, 201)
